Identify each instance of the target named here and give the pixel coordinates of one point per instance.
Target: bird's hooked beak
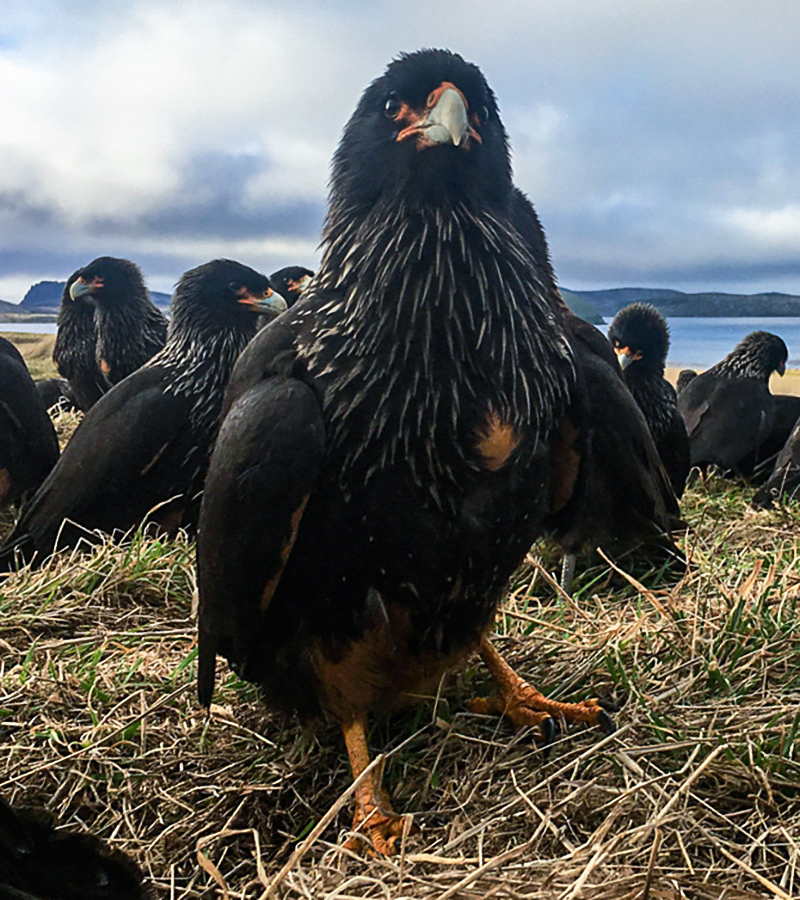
(444, 121)
(81, 287)
(297, 287)
(625, 357)
(782, 369)
(268, 303)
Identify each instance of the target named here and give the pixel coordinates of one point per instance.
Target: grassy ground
(697, 794)
(37, 350)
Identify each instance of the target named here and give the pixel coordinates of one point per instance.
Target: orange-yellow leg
(526, 707)
(374, 814)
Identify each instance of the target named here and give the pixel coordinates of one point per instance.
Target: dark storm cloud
(212, 201)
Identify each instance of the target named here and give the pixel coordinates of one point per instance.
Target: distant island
(594, 306)
(42, 302)
(43, 299)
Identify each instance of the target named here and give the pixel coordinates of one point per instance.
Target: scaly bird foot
(381, 824)
(527, 707)
(374, 816)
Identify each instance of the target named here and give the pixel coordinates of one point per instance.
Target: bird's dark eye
(233, 286)
(391, 105)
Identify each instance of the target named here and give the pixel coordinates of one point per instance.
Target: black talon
(605, 722)
(549, 729)
(609, 706)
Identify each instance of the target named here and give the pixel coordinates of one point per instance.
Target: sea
(695, 342)
(699, 342)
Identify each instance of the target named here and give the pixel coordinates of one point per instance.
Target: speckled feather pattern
(451, 276)
(755, 356)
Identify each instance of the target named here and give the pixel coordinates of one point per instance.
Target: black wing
(673, 448)
(37, 862)
(28, 442)
(784, 482)
(622, 495)
(268, 452)
(727, 420)
(107, 477)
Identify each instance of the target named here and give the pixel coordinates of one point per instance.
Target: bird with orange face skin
(140, 453)
(290, 282)
(107, 327)
(395, 441)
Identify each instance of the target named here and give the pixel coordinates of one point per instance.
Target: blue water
(700, 342)
(695, 342)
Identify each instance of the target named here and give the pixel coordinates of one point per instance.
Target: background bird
(784, 482)
(684, 377)
(621, 498)
(141, 452)
(38, 862)
(392, 444)
(28, 442)
(640, 338)
(57, 392)
(290, 282)
(787, 412)
(728, 409)
(74, 353)
(129, 327)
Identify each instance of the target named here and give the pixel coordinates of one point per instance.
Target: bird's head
(760, 354)
(223, 292)
(427, 130)
(685, 376)
(291, 282)
(639, 334)
(108, 280)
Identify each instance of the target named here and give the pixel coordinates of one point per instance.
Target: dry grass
(697, 795)
(37, 350)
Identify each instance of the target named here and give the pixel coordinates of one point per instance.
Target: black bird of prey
(728, 409)
(142, 450)
(787, 412)
(784, 482)
(38, 862)
(74, 350)
(640, 338)
(28, 442)
(290, 282)
(684, 377)
(622, 499)
(395, 441)
(57, 392)
(127, 328)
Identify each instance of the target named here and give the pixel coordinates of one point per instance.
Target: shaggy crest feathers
(204, 314)
(756, 356)
(641, 327)
(386, 238)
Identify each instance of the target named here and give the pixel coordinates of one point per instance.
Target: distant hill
(676, 303)
(6, 307)
(44, 298)
(582, 306)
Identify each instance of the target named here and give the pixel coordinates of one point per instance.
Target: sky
(659, 141)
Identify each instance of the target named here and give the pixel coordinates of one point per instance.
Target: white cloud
(636, 127)
(776, 228)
